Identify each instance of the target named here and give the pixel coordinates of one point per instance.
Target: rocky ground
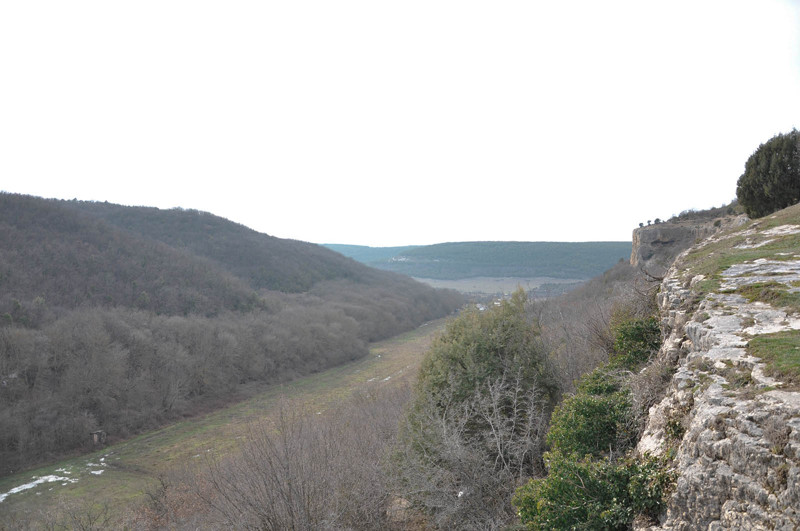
(731, 423)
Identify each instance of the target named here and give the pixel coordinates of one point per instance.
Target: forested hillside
(54, 259)
(120, 319)
(263, 261)
(567, 260)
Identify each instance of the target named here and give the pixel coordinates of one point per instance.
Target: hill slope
(263, 261)
(67, 260)
(122, 325)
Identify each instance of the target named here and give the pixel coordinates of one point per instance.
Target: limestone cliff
(730, 419)
(655, 247)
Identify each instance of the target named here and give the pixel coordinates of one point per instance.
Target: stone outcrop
(733, 430)
(655, 247)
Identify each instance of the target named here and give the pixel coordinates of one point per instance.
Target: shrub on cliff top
(634, 342)
(593, 479)
(476, 423)
(771, 178)
(593, 494)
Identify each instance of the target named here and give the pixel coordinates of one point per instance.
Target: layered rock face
(734, 431)
(655, 247)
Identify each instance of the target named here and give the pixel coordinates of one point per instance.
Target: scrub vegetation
(594, 480)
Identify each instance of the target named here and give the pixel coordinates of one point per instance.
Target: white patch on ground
(782, 230)
(762, 270)
(749, 244)
(97, 472)
(37, 480)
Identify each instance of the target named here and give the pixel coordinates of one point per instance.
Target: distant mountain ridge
(458, 260)
(369, 255)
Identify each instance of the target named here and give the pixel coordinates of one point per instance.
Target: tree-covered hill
(65, 260)
(120, 319)
(263, 261)
(572, 260)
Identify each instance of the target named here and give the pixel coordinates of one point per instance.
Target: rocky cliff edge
(730, 418)
(655, 247)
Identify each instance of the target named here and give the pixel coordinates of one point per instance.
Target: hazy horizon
(383, 124)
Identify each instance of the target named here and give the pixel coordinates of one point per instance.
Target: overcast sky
(403, 122)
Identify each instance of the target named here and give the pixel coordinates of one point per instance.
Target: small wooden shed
(98, 437)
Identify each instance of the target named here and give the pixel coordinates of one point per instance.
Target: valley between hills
(333, 395)
(123, 320)
(114, 482)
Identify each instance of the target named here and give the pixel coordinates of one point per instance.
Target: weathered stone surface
(738, 454)
(656, 246)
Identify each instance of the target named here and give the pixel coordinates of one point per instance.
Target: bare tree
(461, 461)
(309, 471)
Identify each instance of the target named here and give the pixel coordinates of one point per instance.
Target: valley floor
(119, 476)
(493, 286)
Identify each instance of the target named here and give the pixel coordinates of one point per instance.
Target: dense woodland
(120, 318)
(260, 260)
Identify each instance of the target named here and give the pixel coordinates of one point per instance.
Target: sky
(389, 123)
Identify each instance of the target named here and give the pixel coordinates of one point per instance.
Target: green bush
(634, 342)
(601, 381)
(480, 346)
(593, 494)
(588, 485)
(771, 178)
(477, 422)
(595, 419)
